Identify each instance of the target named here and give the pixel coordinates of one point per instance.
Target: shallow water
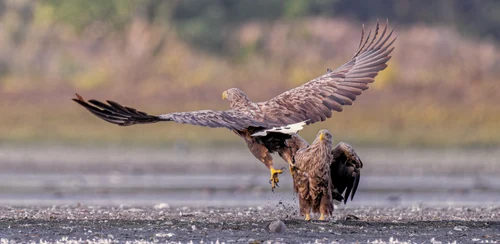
(231, 190)
(45, 176)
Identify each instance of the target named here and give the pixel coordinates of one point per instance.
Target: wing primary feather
(98, 112)
(378, 62)
(364, 44)
(335, 88)
(374, 36)
(362, 75)
(360, 41)
(117, 106)
(385, 40)
(356, 183)
(133, 111)
(361, 86)
(383, 34)
(370, 69)
(102, 116)
(333, 105)
(347, 94)
(338, 100)
(354, 90)
(348, 191)
(370, 55)
(375, 54)
(101, 105)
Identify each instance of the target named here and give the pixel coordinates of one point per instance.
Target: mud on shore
(164, 224)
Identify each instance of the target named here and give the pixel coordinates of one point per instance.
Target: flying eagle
(265, 125)
(322, 173)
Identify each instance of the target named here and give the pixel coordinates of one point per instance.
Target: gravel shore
(65, 195)
(165, 224)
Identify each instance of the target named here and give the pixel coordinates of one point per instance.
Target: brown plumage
(275, 120)
(312, 181)
(345, 171)
(322, 173)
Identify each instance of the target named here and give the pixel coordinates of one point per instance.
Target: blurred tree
(79, 14)
(206, 24)
(52, 47)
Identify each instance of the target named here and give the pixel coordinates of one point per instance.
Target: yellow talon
(308, 217)
(275, 171)
(322, 217)
(274, 177)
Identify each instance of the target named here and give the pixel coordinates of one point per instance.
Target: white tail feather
(287, 129)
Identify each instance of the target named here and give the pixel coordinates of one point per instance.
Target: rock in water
(277, 226)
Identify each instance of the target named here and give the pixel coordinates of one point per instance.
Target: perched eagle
(322, 173)
(265, 125)
(312, 181)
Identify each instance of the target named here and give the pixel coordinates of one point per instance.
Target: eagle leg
(293, 169)
(274, 177)
(261, 152)
(289, 159)
(308, 217)
(287, 155)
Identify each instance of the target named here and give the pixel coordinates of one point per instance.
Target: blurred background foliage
(440, 88)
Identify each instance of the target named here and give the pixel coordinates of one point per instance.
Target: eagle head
(324, 137)
(235, 97)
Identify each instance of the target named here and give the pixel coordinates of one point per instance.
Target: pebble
(277, 226)
(161, 206)
(32, 223)
(460, 228)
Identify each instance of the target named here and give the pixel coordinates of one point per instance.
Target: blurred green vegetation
(440, 88)
(208, 24)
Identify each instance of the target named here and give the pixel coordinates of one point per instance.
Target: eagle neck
(243, 104)
(323, 148)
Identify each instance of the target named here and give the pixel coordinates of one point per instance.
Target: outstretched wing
(115, 113)
(316, 99)
(345, 171)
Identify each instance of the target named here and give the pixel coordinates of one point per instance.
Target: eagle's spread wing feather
(345, 171)
(124, 116)
(230, 119)
(316, 99)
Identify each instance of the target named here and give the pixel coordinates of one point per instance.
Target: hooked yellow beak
(224, 95)
(321, 136)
